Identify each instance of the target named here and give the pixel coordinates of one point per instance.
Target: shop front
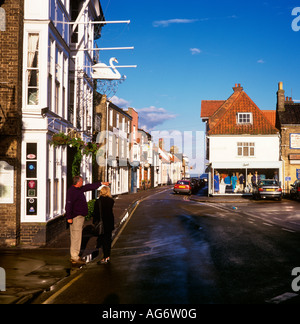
(237, 178)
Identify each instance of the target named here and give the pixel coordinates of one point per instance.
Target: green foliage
(91, 205)
(81, 147)
(76, 164)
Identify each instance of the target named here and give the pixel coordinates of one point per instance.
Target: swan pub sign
(103, 72)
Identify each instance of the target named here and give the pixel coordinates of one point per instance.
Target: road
(174, 250)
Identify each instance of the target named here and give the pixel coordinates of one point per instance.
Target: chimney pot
(280, 86)
(238, 88)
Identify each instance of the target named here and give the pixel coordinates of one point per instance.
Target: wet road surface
(177, 251)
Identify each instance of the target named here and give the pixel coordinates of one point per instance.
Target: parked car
(195, 184)
(295, 190)
(268, 188)
(203, 180)
(183, 186)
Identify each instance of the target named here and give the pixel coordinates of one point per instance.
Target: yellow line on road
(50, 299)
(127, 220)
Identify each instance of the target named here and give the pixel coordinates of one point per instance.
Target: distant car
(203, 180)
(195, 183)
(267, 188)
(183, 186)
(295, 190)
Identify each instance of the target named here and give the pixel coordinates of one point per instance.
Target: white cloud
(151, 116)
(195, 51)
(122, 103)
(261, 61)
(166, 23)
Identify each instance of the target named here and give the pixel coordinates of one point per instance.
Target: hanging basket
(59, 139)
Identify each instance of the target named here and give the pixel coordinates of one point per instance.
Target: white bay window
(33, 69)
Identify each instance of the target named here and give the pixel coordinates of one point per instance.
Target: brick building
(288, 122)
(114, 137)
(11, 54)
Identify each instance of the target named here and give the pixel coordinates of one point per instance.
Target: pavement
(30, 271)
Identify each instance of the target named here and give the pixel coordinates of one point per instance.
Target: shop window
(246, 149)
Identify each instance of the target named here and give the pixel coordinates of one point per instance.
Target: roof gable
(270, 115)
(224, 120)
(209, 107)
(219, 113)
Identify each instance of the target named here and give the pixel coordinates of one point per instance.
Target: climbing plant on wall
(81, 147)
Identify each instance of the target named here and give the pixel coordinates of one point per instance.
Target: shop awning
(247, 165)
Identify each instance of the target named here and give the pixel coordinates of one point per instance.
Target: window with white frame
(246, 149)
(134, 132)
(51, 69)
(57, 97)
(58, 80)
(123, 124)
(110, 145)
(118, 121)
(110, 117)
(244, 118)
(122, 148)
(33, 69)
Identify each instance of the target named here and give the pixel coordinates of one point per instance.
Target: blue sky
(192, 50)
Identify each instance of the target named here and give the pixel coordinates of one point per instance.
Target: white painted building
(57, 97)
(240, 138)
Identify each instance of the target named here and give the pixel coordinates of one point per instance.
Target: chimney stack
(280, 97)
(238, 88)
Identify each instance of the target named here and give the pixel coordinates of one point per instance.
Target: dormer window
(244, 118)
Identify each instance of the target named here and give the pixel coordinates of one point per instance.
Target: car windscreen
(186, 183)
(268, 183)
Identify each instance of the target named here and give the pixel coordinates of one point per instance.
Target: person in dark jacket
(255, 179)
(103, 213)
(76, 210)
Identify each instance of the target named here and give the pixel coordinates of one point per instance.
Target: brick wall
(286, 151)
(11, 52)
(40, 234)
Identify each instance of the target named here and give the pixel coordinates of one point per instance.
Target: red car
(183, 186)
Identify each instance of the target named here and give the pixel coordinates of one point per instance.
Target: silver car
(268, 188)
